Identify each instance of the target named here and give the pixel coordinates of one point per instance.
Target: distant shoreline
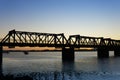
(6, 51)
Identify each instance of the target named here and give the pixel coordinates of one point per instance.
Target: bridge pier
(1, 56)
(102, 53)
(117, 52)
(68, 54)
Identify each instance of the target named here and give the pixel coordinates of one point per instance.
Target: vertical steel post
(55, 37)
(14, 36)
(25, 38)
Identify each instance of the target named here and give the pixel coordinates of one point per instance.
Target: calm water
(48, 65)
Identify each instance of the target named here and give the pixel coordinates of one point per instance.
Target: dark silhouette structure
(34, 39)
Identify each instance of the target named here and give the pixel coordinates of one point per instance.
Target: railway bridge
(34, 39)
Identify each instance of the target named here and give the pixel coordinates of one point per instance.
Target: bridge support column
(117, 52)
(102, 53)
(1, 56)
(68, 54)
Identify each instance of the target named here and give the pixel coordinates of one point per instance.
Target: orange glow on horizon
(29, 48)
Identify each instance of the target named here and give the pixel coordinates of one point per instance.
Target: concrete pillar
(68, 54)
(102, 53)
(117, 52)
(1, 56)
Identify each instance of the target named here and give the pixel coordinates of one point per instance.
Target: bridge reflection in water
(33, 39)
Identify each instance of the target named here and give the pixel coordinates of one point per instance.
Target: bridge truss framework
(34, 39)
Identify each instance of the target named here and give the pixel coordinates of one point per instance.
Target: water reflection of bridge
(34, 39)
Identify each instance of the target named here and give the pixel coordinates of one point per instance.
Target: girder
(32, 38)
(85, 41)
(23, 38)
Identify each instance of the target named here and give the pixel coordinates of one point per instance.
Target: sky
(98, 18)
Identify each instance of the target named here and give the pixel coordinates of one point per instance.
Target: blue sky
(84, 17)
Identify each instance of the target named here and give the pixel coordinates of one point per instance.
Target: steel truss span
(23, 38)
